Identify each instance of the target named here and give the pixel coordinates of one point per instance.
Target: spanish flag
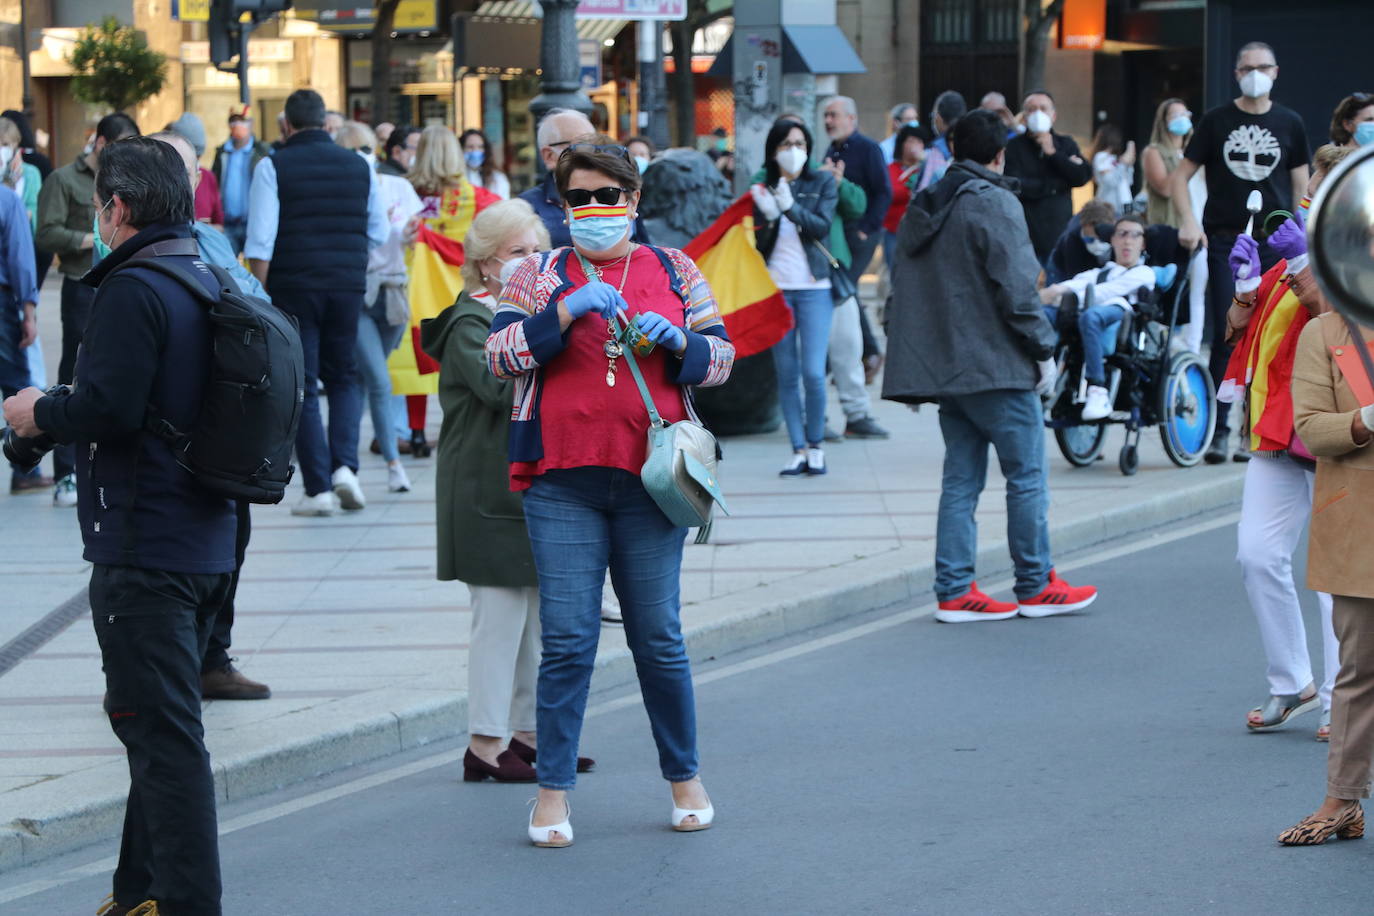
(755, 315)
(434, 281)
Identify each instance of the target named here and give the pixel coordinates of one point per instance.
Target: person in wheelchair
(1116, 289)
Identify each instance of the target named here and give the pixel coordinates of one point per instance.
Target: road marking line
(362, 784)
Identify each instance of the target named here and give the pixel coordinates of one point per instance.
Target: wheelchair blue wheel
(1187, 409)
(1081, 445)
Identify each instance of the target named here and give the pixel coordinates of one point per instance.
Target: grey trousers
(503, 660)
(1352, 702)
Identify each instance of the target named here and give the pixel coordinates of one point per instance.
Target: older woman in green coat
(481, 524)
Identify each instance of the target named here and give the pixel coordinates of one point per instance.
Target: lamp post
(559, 80)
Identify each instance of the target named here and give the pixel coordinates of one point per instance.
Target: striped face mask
(596, 228)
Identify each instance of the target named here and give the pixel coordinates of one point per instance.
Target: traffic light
(228, 30)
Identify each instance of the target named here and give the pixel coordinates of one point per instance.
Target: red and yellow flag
(755, 315)
(435, 281)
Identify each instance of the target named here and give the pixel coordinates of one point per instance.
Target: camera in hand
(24, 453)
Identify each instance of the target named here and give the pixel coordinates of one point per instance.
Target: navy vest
(322, 227)
(137, 506)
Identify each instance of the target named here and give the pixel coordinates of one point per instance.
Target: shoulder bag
(842, 289)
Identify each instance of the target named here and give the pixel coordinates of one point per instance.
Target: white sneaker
(1098, 405)
(396, 479)
(320, 504)
(815, 462)
(795, 468)
(64, 494)
(347, 488)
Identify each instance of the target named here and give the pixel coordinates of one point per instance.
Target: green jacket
(481, 524)
(65, 216)
(33, 180)
(852, 204)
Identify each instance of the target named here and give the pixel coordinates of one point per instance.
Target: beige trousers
(1352, 702)
(503, 660)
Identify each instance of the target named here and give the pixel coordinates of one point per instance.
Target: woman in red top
(915, 164)
(577, 442)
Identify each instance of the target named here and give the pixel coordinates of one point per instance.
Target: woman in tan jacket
(1333, 405)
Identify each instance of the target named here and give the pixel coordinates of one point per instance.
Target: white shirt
(788, 265)
(264, 213)
(1119, 287)
(400, 203)
(1113, 180)
(500, 184)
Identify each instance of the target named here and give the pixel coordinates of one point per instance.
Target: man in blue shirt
(233, 169)
(18, 303)
(857, 158)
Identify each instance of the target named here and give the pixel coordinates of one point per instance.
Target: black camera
(24, 453)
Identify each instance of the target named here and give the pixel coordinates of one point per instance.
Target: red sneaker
(972, 607)
(1058, 597)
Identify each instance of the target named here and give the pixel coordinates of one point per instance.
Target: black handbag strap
(1357, 338)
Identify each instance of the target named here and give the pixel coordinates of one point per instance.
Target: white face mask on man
(1037, 122)
(1256, 83)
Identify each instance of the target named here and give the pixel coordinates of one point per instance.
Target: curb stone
(396, 719)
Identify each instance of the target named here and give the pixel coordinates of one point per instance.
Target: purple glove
(1245, 263)
(1289, 240)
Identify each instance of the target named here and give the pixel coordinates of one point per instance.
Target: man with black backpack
(160, 540)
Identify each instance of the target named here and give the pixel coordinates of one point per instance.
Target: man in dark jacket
(1049, 166)
(64, 228)
(233, 171)
(967, 332)
(400, 151)
(557, 130)
(856, 158)
(314, 213)
(162, 547)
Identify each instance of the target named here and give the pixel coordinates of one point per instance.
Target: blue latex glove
(1290, 240)
(594, 297)
(1245, 263)
(662, 331)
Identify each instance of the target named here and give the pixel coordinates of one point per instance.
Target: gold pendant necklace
(612, 347)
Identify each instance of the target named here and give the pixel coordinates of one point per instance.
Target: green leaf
(113, 66)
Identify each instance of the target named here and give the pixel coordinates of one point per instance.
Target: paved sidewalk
(366, 653)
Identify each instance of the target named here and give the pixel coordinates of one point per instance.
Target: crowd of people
(409, 270)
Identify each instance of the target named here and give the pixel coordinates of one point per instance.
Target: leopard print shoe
(1313, 831)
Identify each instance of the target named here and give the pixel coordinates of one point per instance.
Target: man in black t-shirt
(1251, 143)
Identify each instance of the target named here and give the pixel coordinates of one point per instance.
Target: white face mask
(1037, 122)
(6, 156)
(1255, 84)
(790, 160)
(508, 269)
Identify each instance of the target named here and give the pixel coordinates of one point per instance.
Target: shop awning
(597, 29)
(805, 49)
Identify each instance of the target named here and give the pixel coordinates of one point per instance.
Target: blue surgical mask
(598, 233)
(100, 251)
(475, 158)
(1180, 125)
(642, 162)
(913, 123)
(1364, 133)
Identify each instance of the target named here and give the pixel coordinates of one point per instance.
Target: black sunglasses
(609, 149)
(608, 196)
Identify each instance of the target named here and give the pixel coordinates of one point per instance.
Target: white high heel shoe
(543, 836)
(704, 817)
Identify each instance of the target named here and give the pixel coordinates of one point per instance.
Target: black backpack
(240, 444)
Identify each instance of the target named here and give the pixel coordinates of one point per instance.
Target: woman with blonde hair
(1172, 130)
(449, 202)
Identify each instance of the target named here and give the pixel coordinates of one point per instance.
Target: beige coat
(1340, 558)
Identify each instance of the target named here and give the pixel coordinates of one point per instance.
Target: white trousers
(503, 660)
(847, 361)
(1273, 512)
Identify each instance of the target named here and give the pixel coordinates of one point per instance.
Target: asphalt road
(1093, 764)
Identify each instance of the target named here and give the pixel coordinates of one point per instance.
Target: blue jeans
(580, 521)
(799, 359)
(1097, 327)
(236, 231)
(1012, 422)
(328, 321)
(376, 340)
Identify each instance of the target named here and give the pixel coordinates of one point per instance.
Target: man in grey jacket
(966, 332)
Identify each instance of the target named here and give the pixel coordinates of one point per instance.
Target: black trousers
(152, 627)
(861, 252)
(217, 651)
(1220, 288)
(76, 311)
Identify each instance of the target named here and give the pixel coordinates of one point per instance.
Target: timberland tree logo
(1251, 152)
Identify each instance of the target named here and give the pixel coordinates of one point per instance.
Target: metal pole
(244, 32)
(26, 101)
(653, 102)
(558, 60)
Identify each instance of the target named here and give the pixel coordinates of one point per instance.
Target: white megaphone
(1340, 236)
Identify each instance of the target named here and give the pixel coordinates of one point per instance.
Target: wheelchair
(1150, 380)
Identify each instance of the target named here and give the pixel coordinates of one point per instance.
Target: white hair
(846, 105)
(548, 133)
(898, 109)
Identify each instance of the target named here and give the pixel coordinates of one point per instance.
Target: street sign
(627, 9)
(589, 61)
(191, 10)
